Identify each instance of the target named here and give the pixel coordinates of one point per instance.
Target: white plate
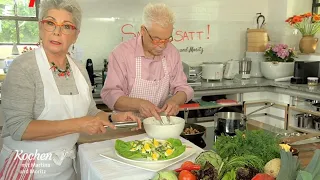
(146, 160)
(154, 167)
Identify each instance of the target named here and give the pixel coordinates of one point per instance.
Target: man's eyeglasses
(51, 26)
(159, 41)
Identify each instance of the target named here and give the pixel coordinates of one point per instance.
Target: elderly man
(144, 71)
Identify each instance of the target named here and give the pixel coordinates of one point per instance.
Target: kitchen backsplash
(206, 30)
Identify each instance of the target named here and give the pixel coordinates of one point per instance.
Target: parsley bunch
(259, 143)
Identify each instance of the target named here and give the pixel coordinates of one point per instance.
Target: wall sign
(179, 35)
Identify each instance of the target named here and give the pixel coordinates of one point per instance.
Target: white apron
(61, 150)
(156, 92)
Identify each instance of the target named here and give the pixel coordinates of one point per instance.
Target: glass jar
(312, 81)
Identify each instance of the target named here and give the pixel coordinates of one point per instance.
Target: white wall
(226, 38)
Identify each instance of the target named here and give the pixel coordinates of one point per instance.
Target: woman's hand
(93, 125)
(126, 117)
(170, 108)
(147, 109)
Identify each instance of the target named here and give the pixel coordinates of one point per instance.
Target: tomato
(187, 164)
(262, 176)
(186, 175)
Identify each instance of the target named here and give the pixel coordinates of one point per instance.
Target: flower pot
(308, 44)
(274, 70)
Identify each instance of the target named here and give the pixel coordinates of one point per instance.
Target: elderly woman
(47, 102)
(145, 70)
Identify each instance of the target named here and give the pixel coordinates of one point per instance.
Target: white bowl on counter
(155, 129)
(272, 70)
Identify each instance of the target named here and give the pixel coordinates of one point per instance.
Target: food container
(312, 81)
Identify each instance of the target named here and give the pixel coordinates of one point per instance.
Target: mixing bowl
(155, 129)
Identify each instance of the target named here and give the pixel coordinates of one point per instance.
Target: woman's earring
(72, 47)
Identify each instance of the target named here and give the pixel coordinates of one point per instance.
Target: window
(18, 22)
(315, 6)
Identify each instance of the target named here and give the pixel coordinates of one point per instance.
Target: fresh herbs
(259, 143)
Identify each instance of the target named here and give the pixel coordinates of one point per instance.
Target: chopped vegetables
(190, 130)
(150, 149)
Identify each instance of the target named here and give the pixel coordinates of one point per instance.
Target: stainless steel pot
(229, 122)
(304, 120)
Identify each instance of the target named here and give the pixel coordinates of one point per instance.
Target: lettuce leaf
(123, 149)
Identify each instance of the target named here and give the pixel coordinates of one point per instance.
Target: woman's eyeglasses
(159, 41)
(51, 26)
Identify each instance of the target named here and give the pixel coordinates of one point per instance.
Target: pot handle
(264, 107)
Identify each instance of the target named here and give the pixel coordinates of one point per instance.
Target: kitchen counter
(250, 85)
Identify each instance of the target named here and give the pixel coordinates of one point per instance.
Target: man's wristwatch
(109, 118)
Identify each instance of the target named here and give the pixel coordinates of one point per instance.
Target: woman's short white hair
(71, 6)
(158, 13)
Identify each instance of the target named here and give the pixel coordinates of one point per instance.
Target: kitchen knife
(125, 124)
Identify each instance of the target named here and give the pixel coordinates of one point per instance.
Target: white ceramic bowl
(156, 130)
(279, 70)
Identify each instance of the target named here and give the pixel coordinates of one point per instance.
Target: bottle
(104, 71)
(89, 67)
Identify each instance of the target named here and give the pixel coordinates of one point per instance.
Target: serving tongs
(130, 124)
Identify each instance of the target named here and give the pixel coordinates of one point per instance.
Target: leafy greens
(150, 149)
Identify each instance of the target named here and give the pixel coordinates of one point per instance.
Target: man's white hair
(158, 13)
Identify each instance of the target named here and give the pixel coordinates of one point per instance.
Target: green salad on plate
(150, 149)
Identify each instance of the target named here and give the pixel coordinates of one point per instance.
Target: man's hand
(147, 109)
(126, 117)
(170, 108)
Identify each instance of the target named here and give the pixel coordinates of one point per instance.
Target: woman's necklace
(61, 72)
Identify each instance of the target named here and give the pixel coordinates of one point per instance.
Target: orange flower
(296, 19)
(316, 17)
(307, 15)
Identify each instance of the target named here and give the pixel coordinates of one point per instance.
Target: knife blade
(124, 124)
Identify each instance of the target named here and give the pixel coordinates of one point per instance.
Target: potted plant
(308, 24)
(279, 61)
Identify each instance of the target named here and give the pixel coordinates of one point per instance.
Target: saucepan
(229, 122)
